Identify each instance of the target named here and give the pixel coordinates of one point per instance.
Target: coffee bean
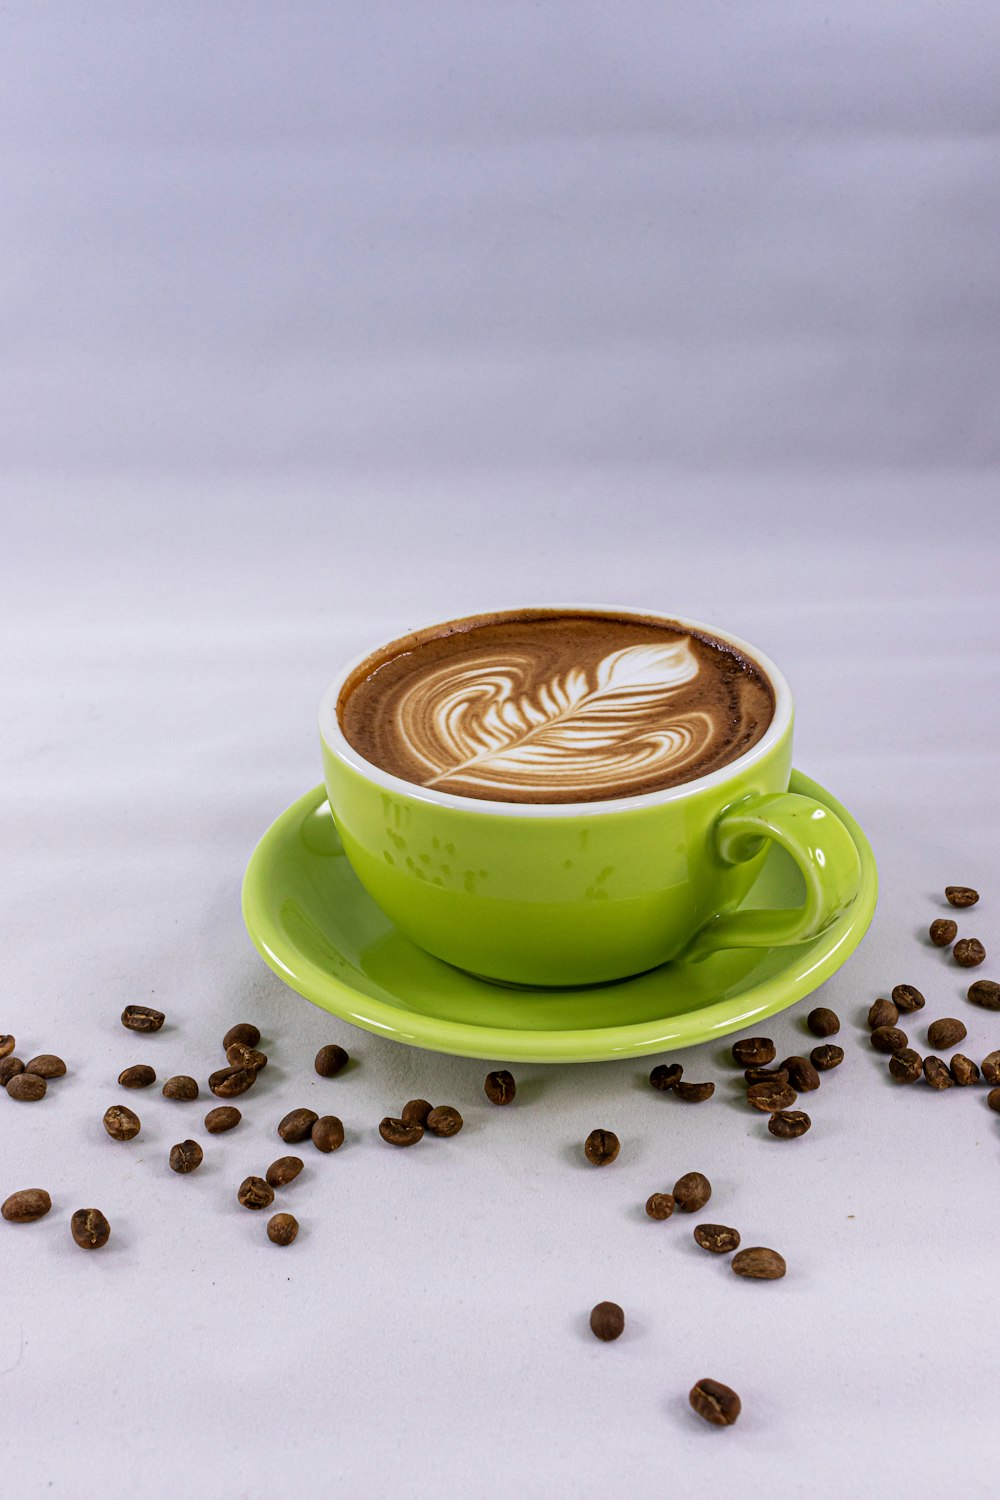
(985, 992)
(400, 1132)
(666, 1076)
(907, 997)
(142, 1018)
(330, 1060)
(789, 1124)
(239, 1055)
(25, 1206)
(889, 1039)
(415, 1111)
(225, 1117)
(694, 1093)
(715, 1402)
(692, 1191)
(139, 1076)
(607, 1321)
(717, 1237)
(601, 1147)
(229, 1083)
(186, 1157)
(26, 1087)
(283, 1171)
(946, 1033)
(660, 1205)
(46, 1066)
(827, 1057)
(9, 1066)
(180, 1087)
(936, 1073)
(963, 1070)
(765, 1075)
(759, 1263)
(243, 1032)
(943, 932)
(328, 1134)
(500, 1088)
(282, 1229)
(297, 1125)
(7, 1044)
(801, 1074)
(771, 1096)
(991, 1067)
(89, 1228)
(754, 1051)
(961, 895)
(121, 1124)
(255, 1193)
(882, 1013)
(823, 1022)
(444, 1120)
(906, 1066)
(993, 1099)
(968, 952)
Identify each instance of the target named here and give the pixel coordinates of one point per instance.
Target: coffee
(546, 706)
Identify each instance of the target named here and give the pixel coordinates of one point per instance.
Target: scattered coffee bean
(771, 1096)
(823, 1022)
(328, 1134)
(961, 895)
(255, 1193)
(225, 1117)
(882, 1013)
(936, 1073)
(7, 1044)
(692, 1191)
(694, 1093)
(943, 932)
(802, 1076)
(993, 1099)
(139, 1076)
(500, 1088)
(142, 1018)
(601, 1147)
(906, 1066)
(400, 1132)
(121, 1123)
(907, 997)
(759, 1263)
(968, 952)
(330, 1060)
(25, 1206)
(607, 1321)
(415, 1111)
(718, 1238)
(765, 1075)
(715, 1402)
(186, 1157)
(946, 1033)
(181, 1087)
(282, 1229)
(46, 1066)
(9, 1066)
(243, 1032)
(89, 1228)
(789, 1124)
(660, 1205)
(754, 1052)
(991, 1067)
(26, 1087)
(827, 1057)
(963, 1070)
(297, 1125)
(985, 992)
(283, 1171)
(229, 1083)
(889, 1039)
(444, 1120)
(666, 1076)
(239, 1055)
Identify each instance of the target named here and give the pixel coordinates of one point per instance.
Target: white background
(321, 321)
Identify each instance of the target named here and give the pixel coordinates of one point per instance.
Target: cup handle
(821, 847)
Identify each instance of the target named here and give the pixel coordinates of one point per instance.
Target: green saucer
(322, 934)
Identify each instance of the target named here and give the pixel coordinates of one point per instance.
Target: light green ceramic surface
(319, 930)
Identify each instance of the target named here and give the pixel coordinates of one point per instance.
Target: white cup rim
(340, 747)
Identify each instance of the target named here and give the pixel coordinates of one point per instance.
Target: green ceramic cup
(582, 893)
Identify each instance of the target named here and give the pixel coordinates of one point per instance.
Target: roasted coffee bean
(717, 1237)
(282, 1229)
(936, 1073)
(500, 1088)
(759, 1263)
(827, 1057)
(692, 1191)
(985, 992)
(444, 1120)
(694, 1093)
(882, 1013)
(181, 1087)
(283, 1171)
(607, 1321)
(121, 1123)
(754, 1052)
(225, 1117)
(802, 1076)
(26, 1087)
(601, 1147)
(186, 1157)
(229, 1083)
(907, 997)
(943, 932)
(243, 1032)
(297, 1125)
(660, 1205)
(415, 1111)
(946, 1033)
(889, 1039)
(328, 1134)
(968, 952)
(7, 1045)
(961, 895)
(89, 1228)
(400, 1132)
(142, 1018)
(993, 1099)
(765, 1075)
(239, 1055)
(823, 1022)
(139, 1076)
(255, 1193)
(715, 1402)
(789, 1124)
(25, 1206)
(666, 1076)
(46, 1066)
(9, 1066)
(906, 1066)
(771, 1096)
(330, 1060)
(991, 1067)
(963, 1070)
